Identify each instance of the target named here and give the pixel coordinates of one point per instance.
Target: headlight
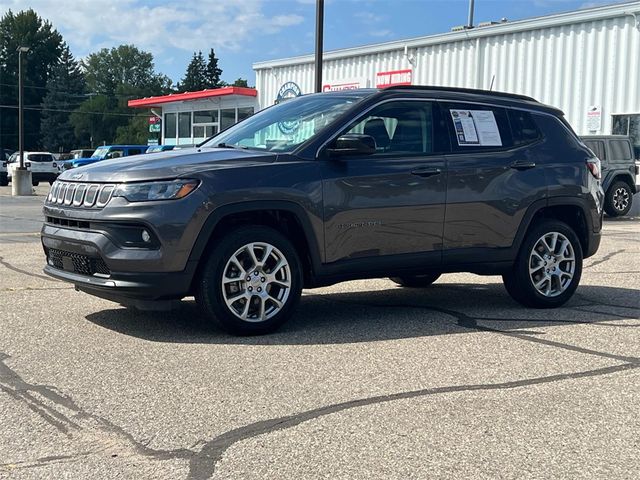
(144, 192)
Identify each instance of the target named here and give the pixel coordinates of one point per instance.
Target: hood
(166, 165)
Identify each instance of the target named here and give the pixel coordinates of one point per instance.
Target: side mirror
(353, 144)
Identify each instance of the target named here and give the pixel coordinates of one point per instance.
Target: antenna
(492, 79)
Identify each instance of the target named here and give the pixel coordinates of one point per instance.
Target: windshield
(101, 152)
(283, 127)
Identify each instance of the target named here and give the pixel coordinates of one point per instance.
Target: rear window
(597, 147)
(39, 157)
(523, 128)
(620, 150)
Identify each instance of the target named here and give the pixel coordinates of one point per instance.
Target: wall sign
(287, 91)
(594, 118)
(394, 77)
(476, 128)
(339, 85)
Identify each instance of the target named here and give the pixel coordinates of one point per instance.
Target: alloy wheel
(621, 199)
(256, 282)
(552, 264)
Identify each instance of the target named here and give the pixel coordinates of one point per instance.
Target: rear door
(493, 177)
(391, 202)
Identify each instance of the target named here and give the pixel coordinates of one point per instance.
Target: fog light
(146, 237)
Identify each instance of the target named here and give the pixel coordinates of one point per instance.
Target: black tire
(618, 199)
(35, 184)
(209, 293)
(520, 284)
(4, 182)
(416, 281)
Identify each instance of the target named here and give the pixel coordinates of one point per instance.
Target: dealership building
(585, 62)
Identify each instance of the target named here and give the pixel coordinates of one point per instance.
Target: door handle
(522, 165)
(426, 172)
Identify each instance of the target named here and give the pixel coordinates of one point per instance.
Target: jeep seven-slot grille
(80, 195)
(76, 262)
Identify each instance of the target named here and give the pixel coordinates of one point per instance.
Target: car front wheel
(548, 268)
(252, 281)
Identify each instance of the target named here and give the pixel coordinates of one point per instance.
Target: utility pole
(470, 19)
(319, 43)
(21, 177)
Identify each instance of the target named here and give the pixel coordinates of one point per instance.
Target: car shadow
(388, 314)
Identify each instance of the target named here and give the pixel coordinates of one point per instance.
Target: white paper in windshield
(476, 127)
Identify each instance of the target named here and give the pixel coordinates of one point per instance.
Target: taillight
(55, 165)
(27, 164)
(593, 164)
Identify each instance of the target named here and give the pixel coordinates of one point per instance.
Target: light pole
(319, 42)
(21, 177)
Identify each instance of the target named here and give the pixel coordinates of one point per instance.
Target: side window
(477, 128)
(597, 147)
(523, 128)
(403, 128)
(134, 151)
(620, 150)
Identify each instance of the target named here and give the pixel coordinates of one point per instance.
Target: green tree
(195, 77)
(213, 72)
(240, 82)
(25, 29)
(65, 90)
(113, 77)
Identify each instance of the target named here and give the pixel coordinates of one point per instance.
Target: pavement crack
(64, 414)
(6, 264)
(203, 464)
(604, 259)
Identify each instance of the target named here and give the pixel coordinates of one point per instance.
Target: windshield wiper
(229, 145)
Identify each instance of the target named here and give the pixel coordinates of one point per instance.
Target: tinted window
(597, 147)
(135, 151)
(170, 125)
(477, 128)
(227, 118)
(39, 157)
(523, 127)
(184, 125)
(403, 127)
(620, 150)
(244, 112)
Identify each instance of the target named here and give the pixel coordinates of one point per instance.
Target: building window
(184, 125)
(169, 126)
(227, 117)
(205, 116)
(628, 125)
(244, 112)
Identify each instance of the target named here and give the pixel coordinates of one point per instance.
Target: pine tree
(213, 71)
(65, 88)
(196, 76)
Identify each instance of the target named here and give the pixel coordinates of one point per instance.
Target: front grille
(80, 195)
(67, 222)
(76, 262)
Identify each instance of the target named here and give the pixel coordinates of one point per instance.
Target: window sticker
(476, 128)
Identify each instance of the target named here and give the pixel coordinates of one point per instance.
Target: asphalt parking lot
(368, 381)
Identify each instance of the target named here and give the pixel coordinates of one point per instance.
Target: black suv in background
(619, 171)
(405, 182)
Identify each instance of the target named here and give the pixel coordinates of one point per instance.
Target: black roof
(474, 91)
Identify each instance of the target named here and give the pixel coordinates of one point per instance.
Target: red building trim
(181, 97)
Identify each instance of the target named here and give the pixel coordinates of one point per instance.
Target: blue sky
(246, 31)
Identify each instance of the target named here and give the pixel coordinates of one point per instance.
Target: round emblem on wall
(288, 91)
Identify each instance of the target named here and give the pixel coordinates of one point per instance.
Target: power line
(88, 94)
(77, 111)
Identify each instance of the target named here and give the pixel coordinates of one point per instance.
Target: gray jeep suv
(405, 182)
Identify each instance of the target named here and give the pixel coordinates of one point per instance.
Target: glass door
(205, 125)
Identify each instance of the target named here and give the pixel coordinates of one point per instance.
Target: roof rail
(462, 90)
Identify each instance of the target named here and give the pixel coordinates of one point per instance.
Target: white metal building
(585, 62)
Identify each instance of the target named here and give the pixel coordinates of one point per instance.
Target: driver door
(391, 202)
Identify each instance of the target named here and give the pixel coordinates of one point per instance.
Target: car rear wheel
(548, 268)
(618, 200)
(416, 281)
(252, 281)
